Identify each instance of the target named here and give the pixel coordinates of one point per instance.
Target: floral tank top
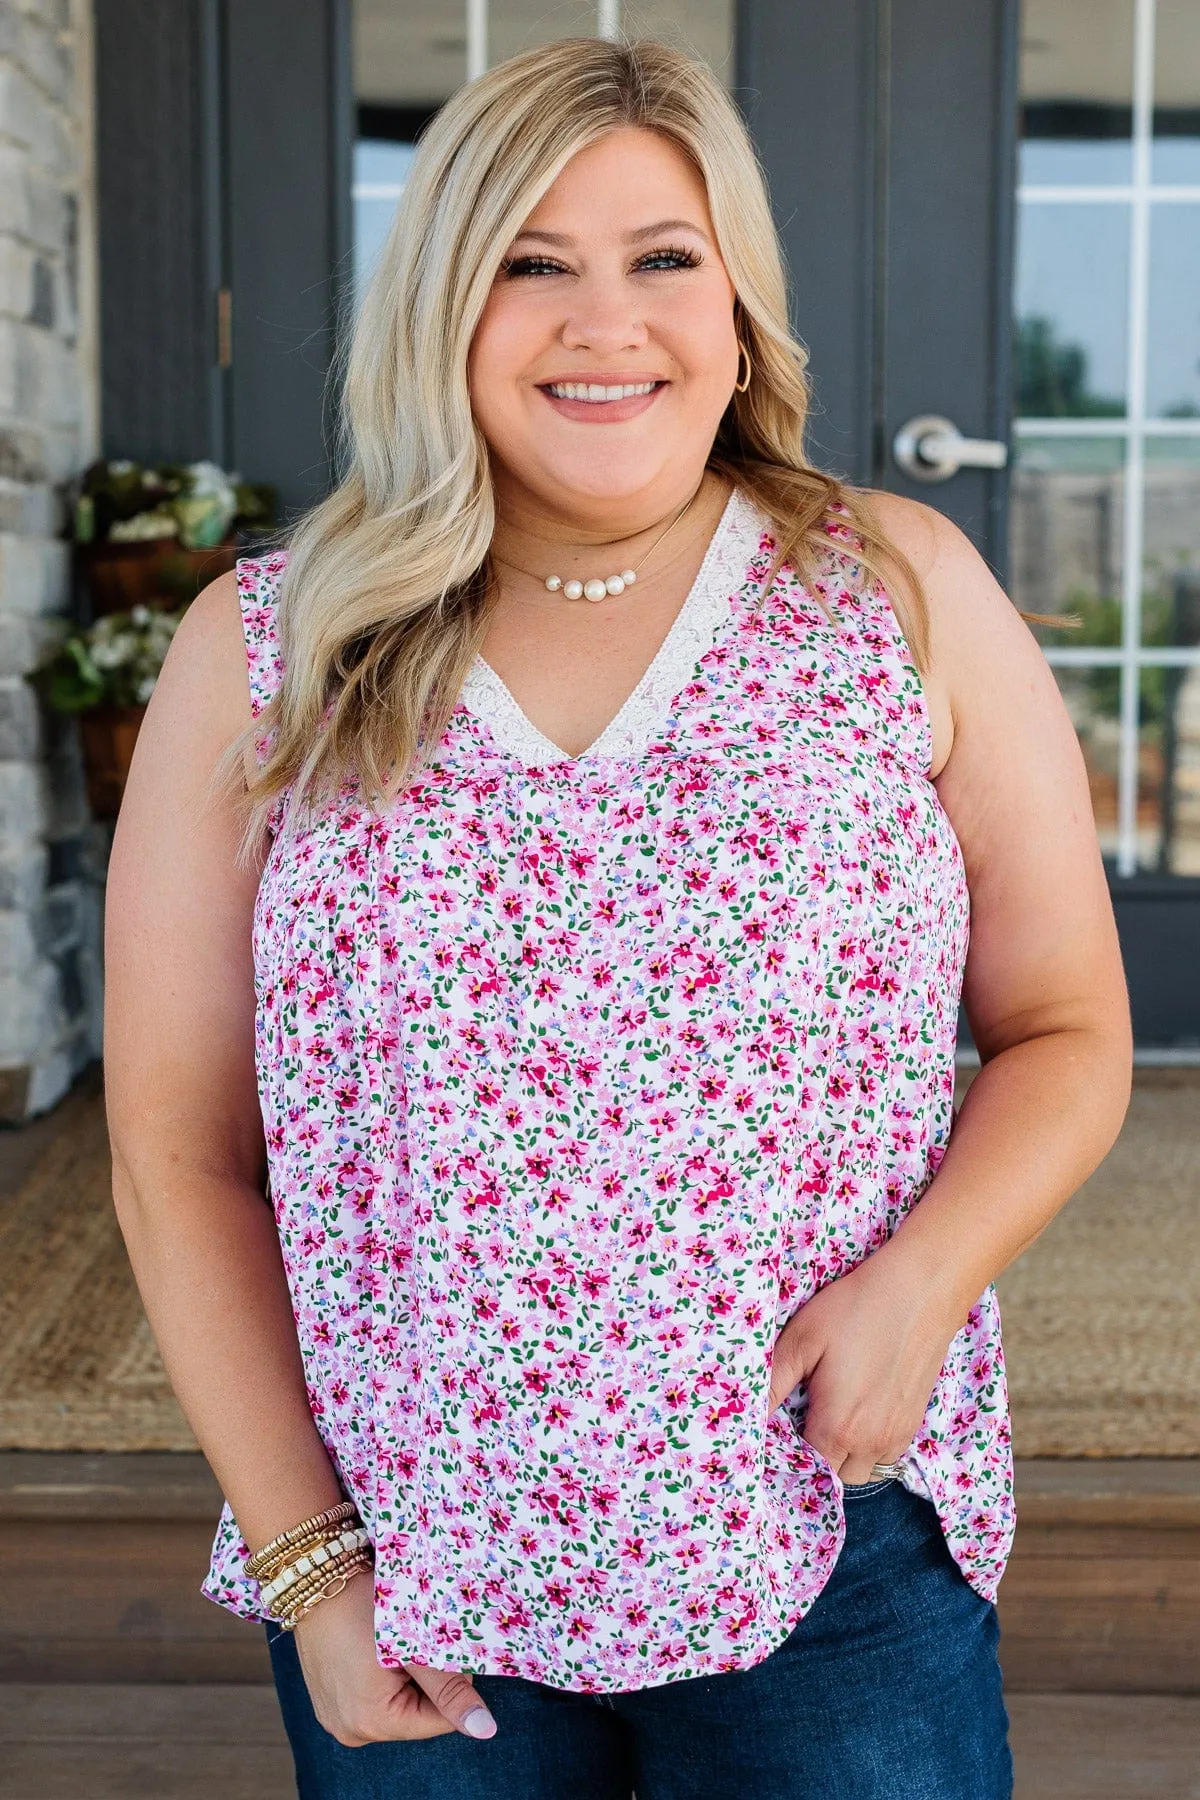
(579, 1075)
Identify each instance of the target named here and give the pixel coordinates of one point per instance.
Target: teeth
(592, 390)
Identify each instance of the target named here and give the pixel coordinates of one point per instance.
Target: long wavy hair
(387, 583)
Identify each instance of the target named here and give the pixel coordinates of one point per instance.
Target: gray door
(224, 137)
(989, 223)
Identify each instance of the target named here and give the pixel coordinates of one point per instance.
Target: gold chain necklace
(599, 587)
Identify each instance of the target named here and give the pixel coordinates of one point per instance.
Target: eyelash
(520, 266)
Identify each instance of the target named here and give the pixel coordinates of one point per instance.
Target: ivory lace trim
(695, 629)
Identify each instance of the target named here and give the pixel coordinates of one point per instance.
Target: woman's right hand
(360, 1702)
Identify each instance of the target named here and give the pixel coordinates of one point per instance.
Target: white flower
(145, 688)
(116, 653)
(157, 524)
(209, 478)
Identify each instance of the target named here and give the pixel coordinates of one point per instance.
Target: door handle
(930, 448)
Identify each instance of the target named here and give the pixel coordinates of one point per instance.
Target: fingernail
(480, 1723)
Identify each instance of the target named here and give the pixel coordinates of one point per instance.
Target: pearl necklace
(601, 586)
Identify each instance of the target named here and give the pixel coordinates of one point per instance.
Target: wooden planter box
(108, 734)
(158, 573)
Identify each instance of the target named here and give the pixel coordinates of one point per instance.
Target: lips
(610, 402)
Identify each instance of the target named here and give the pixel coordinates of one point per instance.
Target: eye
(531, 265)
(669, 259)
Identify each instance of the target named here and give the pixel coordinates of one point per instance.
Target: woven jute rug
(1101, 1316)
(78, 1367)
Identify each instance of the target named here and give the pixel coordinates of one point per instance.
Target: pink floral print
(579, 1076)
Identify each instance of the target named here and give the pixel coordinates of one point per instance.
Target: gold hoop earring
(741, 386)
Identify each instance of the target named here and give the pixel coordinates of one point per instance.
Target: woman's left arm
(1045, 996)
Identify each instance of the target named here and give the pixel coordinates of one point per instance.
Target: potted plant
(155, 534)
(105, 675)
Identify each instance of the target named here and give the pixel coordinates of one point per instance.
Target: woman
(618, 785)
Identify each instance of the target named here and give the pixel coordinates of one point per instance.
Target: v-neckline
(694, 630)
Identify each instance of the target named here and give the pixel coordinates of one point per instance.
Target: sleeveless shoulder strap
(258, 586)
(887, 670)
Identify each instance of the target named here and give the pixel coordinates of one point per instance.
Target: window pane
(1171, 590)
(407, 60)
(1173, 334)
(1072, 269)
(413, 54)
(1177, 92)
(1067, 529)
(1093, 699)
(379, 171)
(1169, 771)
(1076, 92)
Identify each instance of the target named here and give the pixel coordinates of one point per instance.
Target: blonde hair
(383, 598)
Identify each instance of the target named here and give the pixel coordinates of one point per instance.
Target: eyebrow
(560, 241)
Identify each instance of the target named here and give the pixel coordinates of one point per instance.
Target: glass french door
(1106, 489)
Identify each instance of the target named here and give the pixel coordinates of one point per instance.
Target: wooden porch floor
(94, 1742)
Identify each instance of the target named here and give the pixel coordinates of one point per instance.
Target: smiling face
(606, 353)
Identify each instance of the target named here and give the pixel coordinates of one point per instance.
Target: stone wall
(50, 851)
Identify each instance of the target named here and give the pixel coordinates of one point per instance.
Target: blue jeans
(888, 1689)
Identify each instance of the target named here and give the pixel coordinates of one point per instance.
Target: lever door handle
(930, 448)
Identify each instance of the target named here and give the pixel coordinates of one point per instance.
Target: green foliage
(1052, 377)
(115, 662)
(197, 503)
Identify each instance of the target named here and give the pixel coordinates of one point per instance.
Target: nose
(604, 317)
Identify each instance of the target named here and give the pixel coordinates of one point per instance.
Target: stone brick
(50, 1077)
(23, 804)
(33, 43)
(39, 376)
(34, 574)
(18, 943)
(31, 507)
(52, 854)
(43, 376)
(53, 14)
(16, 277)
(23, 643)
(47, 210)
(24, 454)
(14, 191)
(20, 721)
(59, 451)
(31, 1015)
(23, 870)
(27, 115)
(61, 399)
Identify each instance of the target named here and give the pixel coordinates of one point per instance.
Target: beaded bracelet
(311, 1563)
(288, 1540)
(299, 1591)
(334, 1586)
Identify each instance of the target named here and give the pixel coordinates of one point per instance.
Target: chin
(601, 478)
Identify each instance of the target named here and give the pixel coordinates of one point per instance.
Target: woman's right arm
(189, 1160)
